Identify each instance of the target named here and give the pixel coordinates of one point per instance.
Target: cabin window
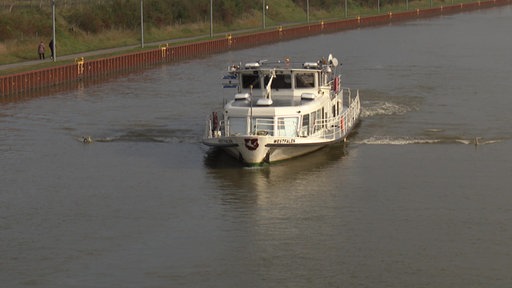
(304, 80)
(287, 126)
(282, 81)
(312, 126)
(316, 121)
(250, 79)
(304, 131)
(237, 125)
(263, 126)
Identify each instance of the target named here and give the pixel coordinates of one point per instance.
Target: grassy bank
(71, 40)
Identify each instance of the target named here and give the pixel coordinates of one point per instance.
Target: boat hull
(254, 150)
(257, 149)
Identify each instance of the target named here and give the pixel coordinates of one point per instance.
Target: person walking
(51, 47)
(40, 50)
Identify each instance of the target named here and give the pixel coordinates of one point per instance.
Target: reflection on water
(234, 178)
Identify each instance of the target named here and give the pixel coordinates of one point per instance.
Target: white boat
(282, 110)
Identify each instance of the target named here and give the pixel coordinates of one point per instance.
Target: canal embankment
(80, 69)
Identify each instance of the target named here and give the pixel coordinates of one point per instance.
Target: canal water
(420, 196)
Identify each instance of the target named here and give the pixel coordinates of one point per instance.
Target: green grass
(280, 12)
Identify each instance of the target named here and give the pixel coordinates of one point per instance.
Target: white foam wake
(394, 140)
(383, 108)
(388, 140)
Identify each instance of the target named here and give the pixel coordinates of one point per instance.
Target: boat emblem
(251, 144)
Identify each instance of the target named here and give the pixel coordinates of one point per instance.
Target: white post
(211, 18)
(54, 49)
(307, 9)
(263, 12)
(142, 23)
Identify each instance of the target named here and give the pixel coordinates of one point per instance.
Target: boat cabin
(281, 100)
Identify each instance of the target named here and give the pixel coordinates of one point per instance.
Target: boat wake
(375, 108)
(145, 135)
(404, 140)
(390, 140)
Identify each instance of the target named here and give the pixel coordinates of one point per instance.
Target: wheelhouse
(282, 102)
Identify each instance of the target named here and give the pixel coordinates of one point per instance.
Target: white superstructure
(282, 110)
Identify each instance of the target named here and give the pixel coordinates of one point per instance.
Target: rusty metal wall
(83, 69)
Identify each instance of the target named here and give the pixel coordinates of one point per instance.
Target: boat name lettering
(226, 141)
(284, 141)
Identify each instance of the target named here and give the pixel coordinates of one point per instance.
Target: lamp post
(307, 10)
(54, 52)
(263, 14)
(142, 23)
(211, 18)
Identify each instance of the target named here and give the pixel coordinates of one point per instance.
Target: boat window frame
(280, 82)
(261, 128)
(302, 84)
(255, 80)
(240, 122)
(304, 129)
(283, 125)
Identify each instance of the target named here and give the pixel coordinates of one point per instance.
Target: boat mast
(268, 95)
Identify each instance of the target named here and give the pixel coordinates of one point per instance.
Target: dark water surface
(410, 201)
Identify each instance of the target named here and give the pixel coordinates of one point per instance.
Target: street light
(142, 23)
(263, 14)
(52, 48)
(211, 18)
(307, 9)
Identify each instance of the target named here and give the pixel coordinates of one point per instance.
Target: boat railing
(214, 128)
(346, 95)
(338, 127)
(220, 128)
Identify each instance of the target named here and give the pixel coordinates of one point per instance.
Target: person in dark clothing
(51, 47)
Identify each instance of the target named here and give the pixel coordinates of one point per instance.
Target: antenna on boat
(268, 95)
(333, 61)
(267, 99)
